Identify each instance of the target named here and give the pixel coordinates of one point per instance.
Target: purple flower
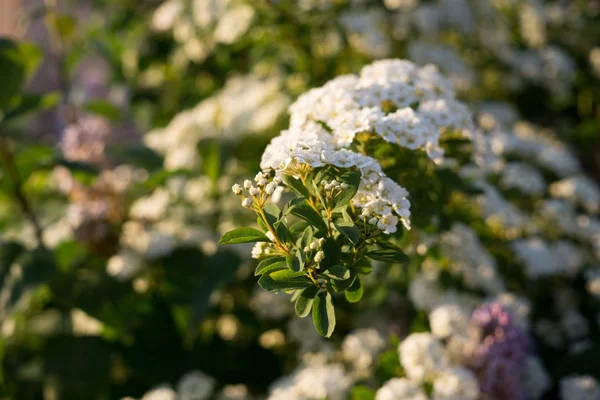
(500, 354)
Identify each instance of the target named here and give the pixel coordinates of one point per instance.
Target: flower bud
(247, 202)
(237, 189)
(319, 256)
(247, 184)
(254, 191)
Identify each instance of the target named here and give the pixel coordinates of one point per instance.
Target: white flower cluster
(194, 385)
(543, 259)
(383, 202)
(579, 388)
(487, 27)
(247, 104)
(394, 99)
(361, 348)
(470, 259)
(400, 388)
(312, 382)
(199, 25)
(425, 359)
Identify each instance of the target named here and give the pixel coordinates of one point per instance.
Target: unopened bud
(237, 189)
(247, 202)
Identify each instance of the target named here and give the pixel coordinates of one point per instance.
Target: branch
(8, 163)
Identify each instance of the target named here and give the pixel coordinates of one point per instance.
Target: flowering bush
(429, 198)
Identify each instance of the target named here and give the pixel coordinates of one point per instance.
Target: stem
(281, 246)
(8, 163)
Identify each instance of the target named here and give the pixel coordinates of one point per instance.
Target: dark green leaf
(323, 314)
(243, 235)
(355, 292)
(269, 265)
(137, 155)
(295, 184)
(12, 71)
(388, 255)
(293, 263)
(31, 102)
(307, 213)
(333, 253)
(304, 302)
(352, 179)
(338, 272)
(349, 230)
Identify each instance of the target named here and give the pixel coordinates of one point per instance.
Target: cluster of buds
(316, 245)
(332, 188)
(263, 248)
(257, 193)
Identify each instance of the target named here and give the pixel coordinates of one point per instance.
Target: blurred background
(126, 122)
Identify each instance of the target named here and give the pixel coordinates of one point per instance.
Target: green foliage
(323, 314)
(243, 235)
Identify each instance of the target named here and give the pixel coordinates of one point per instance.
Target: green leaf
(303, 210)
(355, 292)
(214, 154)
(137, 155)
(361, 392)
(63, 25)
(352, 179)
(388, 255)
(272, 212)
(270, 265)
(293, 263)
(243, 235)
(306, 238)
(323, 314)
(104, 109)
(295, 184)
(33, 102)
(262, 224)
(284, 280)
(305, 301)
(12, 71)
(349, 230)
(333, 253)
(338, 272)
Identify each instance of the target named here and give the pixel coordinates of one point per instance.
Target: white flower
(247, 184)
(448, 320)
(162, 392)
(536, 379)
(151, 207)
(455, 383)
(400, 389)
(422, 356)
(582, 387)
(578, 189)
(388, 223)
(470, 259)
(124, 265)
(195, 385)
(361, 348)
